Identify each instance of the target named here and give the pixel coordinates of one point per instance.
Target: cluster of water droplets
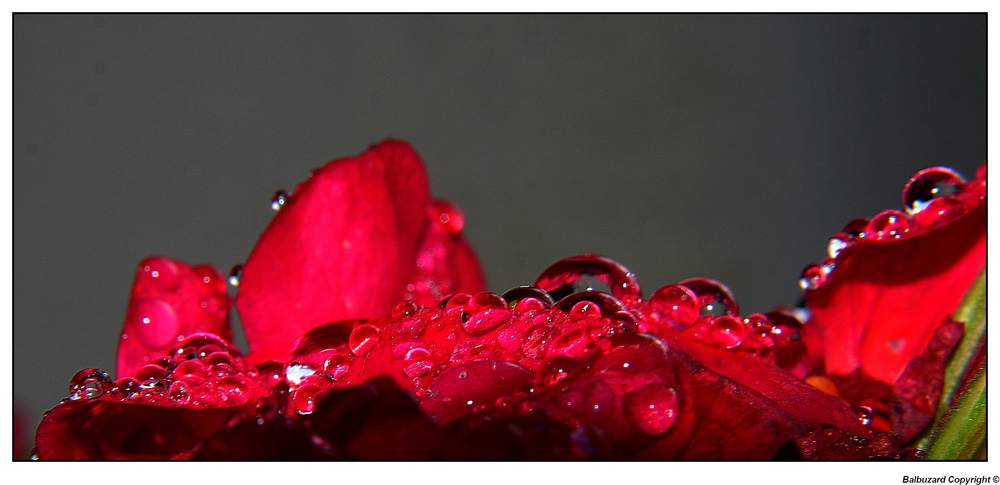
(163, 295)
(203, 371)
(932, 198)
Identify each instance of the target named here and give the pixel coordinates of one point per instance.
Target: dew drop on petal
(837, 243)
(812, 277)
(278, 200)
(89, 383)
(449, 216)
(585, 309)
(675, 305)
(930, 184)
(560, 279)
(297, 372)
(758, 333)
(714, 297)
(234, 275)
(938, 212)
(555, 369)
(726, 332)
(888, 224)
(336, 366)
(363, 338)
(527, 298)
(510, 337)
(403, 309)
(158, 273)
(304, 399)
(155, 322)
(652, 409)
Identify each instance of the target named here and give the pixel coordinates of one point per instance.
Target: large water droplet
(676, 306)
(856, 227)
(652, 409)
(527, 298)
(279, 199)
(89, 383)
(336, 366)
(930, 184)
(510, 337)
(559, 279)
(158, 273)
(715, 298)
(888, 224)
(403, 309)
(837, 243)
(363, 338)
(298, 372)
(304, 399)
(155, 322)
(938, 211)
(726, 332)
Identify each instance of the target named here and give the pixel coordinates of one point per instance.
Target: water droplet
(271, 373)
(211, 278)
(154, 322)
(232, 390)
(888, 224)
(477, 381)
(363, 338)
(726, 332)
(235, 274)
(304, 398)
(158, 273)
(527, 298)
(930, 184)
(298, 372)
(714, 297)
(510, 337)
(126, 388)
(938, 212)
(178, 391)
(554, 369)
(837, 243)
(758, 333)
(150, 372)
(279, 199)
(631, 352)
(600, 304)
(89, 383)
(419, 368)
(193, 370)
(856, 227)
(652, 409)
(535, 339)
(676, 306)
(336, 366)
(403, 309)
(449, 216)
(559, 279)
(812, 277)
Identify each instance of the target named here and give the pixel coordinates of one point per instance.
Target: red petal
(344, 245)
(169, 301)
(884, 300)
(109, 430)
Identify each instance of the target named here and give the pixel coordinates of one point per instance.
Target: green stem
(958, 431)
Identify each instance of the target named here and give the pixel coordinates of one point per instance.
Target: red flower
(371, 338)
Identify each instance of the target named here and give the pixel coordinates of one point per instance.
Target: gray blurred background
(728, 147)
